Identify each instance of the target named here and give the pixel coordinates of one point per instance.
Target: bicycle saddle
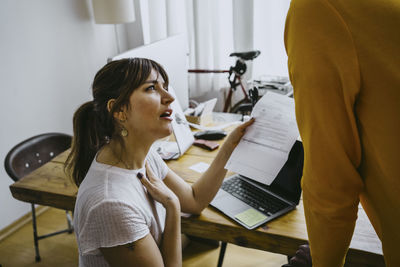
(250, 55)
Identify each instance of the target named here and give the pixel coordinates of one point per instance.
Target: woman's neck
(128, 155)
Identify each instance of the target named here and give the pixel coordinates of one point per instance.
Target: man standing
(344, 64)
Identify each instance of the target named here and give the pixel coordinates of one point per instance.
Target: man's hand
(302, 258)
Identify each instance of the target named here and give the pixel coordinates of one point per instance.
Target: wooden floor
(61, 251)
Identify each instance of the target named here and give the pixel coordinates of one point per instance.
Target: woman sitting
(127, 211)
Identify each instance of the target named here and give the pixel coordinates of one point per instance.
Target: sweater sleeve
(324, 71)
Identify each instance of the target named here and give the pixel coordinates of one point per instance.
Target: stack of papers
(265, 147)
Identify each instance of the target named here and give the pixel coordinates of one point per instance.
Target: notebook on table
(252, 204)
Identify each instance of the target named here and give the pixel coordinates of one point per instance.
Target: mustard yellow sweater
(344, 63)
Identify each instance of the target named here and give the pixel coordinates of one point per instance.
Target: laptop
(181, 130)
(252, 204)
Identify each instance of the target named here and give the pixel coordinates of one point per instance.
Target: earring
(124, 132)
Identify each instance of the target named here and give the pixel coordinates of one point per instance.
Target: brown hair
(93, 124)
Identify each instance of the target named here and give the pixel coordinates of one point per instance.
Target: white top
(113, 208)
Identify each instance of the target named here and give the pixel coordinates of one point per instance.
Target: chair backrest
(30, 154)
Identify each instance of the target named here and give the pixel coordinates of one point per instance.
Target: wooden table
(49, 186)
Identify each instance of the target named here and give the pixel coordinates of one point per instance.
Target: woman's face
(149, 114)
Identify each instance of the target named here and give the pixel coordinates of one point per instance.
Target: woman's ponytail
(87, 140)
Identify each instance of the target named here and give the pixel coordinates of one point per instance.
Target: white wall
(49, 52)
(269, 26)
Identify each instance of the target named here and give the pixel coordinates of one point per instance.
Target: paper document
(265, 147)
(200, 167)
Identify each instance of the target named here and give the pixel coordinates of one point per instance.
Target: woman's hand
(235, 136)
(157, 189)
(170, 248)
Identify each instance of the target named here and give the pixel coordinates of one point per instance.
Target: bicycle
(235, 74)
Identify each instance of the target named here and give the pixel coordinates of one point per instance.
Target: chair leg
(221, 254)
(35, 235)
(69, 222)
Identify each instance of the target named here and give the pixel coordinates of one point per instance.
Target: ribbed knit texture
(344, 64)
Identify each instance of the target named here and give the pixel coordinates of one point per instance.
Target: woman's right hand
(157, 189)
(234, 137)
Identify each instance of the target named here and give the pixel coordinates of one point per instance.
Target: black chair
(30, 155)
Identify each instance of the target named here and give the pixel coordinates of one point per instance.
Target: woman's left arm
(194, 198)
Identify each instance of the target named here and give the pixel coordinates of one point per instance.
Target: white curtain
(211, 42)
(216, 28)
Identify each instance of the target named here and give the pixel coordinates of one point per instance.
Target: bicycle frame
(234, 80)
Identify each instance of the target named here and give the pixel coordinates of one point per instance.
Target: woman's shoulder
(153, 154)
(157, 164)
(110, 198)
(104, 183)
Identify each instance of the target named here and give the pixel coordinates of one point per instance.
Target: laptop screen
(287, 182)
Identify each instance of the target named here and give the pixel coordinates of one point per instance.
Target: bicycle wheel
(242, 107)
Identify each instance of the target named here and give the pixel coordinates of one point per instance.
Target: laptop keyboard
(253, 196)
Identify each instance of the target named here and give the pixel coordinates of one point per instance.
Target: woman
(129, 202)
